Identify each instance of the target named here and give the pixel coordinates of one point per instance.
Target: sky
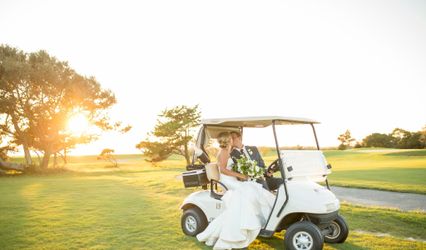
(357, 65)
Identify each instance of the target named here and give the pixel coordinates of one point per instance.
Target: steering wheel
(274, 166)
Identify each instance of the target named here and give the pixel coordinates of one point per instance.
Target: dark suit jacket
(252, 151)
(270, 183)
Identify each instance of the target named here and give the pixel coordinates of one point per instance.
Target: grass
(136, 206)
(383, 169)
(393, 170)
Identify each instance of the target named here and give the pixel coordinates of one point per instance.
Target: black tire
(193, 221)
(339, 231)
(300, 231)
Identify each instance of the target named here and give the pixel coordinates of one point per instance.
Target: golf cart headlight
(330, 207)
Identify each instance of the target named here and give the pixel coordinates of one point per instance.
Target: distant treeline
(399, 138)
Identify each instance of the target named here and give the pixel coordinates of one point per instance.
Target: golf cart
(304, 205)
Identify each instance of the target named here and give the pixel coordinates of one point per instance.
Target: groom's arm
(235, 154)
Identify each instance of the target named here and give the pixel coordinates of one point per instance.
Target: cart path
(370, 197)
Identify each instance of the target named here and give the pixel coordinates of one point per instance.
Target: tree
(5, 148)
(406, 139)
(14, 76)
(107, 155)
(358, 144)
(415, 141)
(378, 140)
(423, 136)
(171, 134)
(38, 94)
(400, 137)
(345, 140)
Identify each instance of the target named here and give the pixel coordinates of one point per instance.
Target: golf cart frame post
(277, 147)
(282, 174)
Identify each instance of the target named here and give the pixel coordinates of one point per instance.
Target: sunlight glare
(78, 124)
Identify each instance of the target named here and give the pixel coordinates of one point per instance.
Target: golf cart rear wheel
(338, 231)
(303, 235)
(193, 221)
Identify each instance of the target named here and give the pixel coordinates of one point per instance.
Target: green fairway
(385, 169)
(394, 170)
(137, 207)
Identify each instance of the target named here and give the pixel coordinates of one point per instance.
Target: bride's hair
(224, 138)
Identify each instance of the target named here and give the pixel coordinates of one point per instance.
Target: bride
(246, 205)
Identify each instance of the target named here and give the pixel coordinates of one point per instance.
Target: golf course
(89, 204)
(157, 125)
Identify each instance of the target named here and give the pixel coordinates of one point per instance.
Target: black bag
(194, 167)
(195, 178)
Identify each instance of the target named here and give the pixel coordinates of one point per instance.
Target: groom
(252, 153)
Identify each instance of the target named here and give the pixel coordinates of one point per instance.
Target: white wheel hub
(191, 223)
(303, 241)
(334, 230)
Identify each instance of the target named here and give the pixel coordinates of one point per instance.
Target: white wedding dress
(246, 208)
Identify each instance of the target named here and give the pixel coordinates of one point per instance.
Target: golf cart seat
(213, 175)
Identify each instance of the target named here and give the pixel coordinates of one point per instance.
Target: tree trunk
(28, 159)
(54, 160)
(45, 161)
(186, 154)
(65, 156)
(38, 157)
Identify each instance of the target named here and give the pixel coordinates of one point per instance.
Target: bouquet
(248, 167)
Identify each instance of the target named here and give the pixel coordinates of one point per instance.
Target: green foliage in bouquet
(248, 167)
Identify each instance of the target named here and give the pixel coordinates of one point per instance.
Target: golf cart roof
(256, 121)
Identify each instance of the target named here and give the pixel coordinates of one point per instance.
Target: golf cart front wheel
(303, 235)
(338, 231)
(193, 221)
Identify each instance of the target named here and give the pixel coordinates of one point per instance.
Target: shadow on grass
(278, 243)
(347, 246)
(273, 243)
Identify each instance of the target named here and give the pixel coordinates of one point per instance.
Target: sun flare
(78, 124)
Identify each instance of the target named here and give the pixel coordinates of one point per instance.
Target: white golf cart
(307, 210)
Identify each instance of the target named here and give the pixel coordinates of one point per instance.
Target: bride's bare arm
(222, 161)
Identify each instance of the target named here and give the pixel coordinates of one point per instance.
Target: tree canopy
(171, 134)
(377, 140)
(107, 154)
(39, 93)
(345, 140)
(5, 148)
(398, 138)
